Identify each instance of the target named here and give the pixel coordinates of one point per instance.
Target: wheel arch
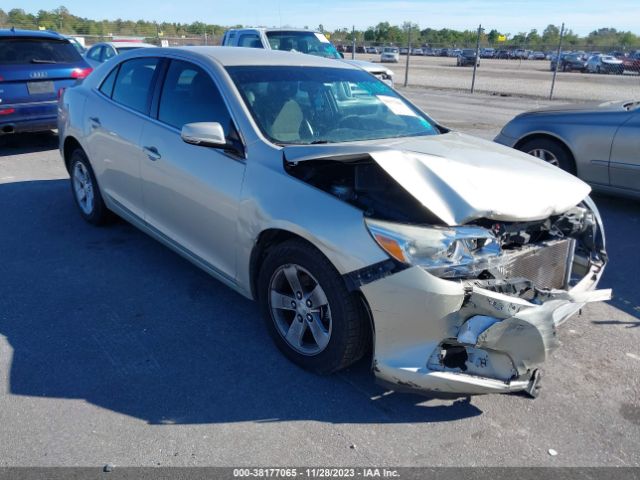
(549, 136)
(273, 237)
(70, 144)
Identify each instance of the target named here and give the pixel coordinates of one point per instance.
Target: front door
(191, 193)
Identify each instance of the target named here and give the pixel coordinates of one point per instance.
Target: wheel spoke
(282, 302)
(320, 335)
(291, 272)
(317, 297)
(296, 332)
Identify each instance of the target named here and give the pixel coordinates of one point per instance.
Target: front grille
(547, 265)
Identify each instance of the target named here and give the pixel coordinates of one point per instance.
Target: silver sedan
(600, 143)
(357, 222)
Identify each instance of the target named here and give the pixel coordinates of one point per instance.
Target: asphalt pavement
(114, 350)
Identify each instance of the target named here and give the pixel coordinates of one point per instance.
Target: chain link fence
(581, 74)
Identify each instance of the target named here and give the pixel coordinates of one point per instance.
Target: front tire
(311, 316)
(85, 190)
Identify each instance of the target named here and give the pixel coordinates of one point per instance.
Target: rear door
(114, 116)
(34, 69)
(191, 193)
(624, 167)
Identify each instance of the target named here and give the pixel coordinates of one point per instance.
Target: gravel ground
(513, 77)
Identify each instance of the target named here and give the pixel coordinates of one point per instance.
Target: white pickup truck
(303, 41)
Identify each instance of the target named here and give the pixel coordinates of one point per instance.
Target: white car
(103, 51)
(605, 64)
(390, 54)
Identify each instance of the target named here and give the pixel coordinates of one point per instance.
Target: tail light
(81, 72)
(60, 93)
(7, 111)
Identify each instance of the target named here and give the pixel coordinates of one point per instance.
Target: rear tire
(540, 147)
(85, 190)
(289, 314)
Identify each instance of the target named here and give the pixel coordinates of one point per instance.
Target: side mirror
(204, 134)
(341, 54)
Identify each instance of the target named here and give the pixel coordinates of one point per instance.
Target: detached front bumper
(440, 337)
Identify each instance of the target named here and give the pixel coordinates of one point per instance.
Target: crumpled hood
(460, 178)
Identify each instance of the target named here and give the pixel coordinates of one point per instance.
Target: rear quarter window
(26, 51)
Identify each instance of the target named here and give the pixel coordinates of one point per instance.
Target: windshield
(390, 50)
(22, 51)
(309, 105)
(311, 43)
(468, 53)
(126, 49)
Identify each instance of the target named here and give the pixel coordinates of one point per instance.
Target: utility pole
(406, 70)
(475, 61)
(555, 70)
(353, 47)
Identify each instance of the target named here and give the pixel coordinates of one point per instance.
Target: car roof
(31, 33)
(238, 56)
(125, 44)
(265, 29)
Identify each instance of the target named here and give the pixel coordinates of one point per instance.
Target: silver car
(103, 51)
(357, 222)
(600, 143)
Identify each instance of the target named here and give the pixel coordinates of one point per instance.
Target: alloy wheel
(545, 155)
(83, 188)
(300, 309)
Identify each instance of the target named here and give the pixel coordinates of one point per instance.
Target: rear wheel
(312, 317)
(550, 151)
(85, 189)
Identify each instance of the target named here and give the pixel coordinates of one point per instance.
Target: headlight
(448, 252)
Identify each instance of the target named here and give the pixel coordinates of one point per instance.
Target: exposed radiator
(547, 265)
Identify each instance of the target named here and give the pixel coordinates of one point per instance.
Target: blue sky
(507, 16)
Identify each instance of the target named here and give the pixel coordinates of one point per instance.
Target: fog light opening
(454, 356)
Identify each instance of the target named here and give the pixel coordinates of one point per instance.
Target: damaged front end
(478, 280)
(484, 321)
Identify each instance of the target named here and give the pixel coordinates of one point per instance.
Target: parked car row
(593, 64)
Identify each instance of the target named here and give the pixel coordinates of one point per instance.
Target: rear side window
(107, 84)
(133, 84)
(189, 95)
(24, 51)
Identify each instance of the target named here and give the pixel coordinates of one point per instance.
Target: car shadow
(111, 316)
(22, 143)
(621, 217)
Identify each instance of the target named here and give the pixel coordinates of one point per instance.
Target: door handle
(152, 153)
(95, 122)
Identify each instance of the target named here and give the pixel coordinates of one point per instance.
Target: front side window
(133, 84)
(306, 105)
(109, 53)
(304, 42)
(189, 95)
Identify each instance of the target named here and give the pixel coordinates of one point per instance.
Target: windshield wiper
(38, 60)
(318, 142)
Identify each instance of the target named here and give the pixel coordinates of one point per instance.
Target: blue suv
(34, 67)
